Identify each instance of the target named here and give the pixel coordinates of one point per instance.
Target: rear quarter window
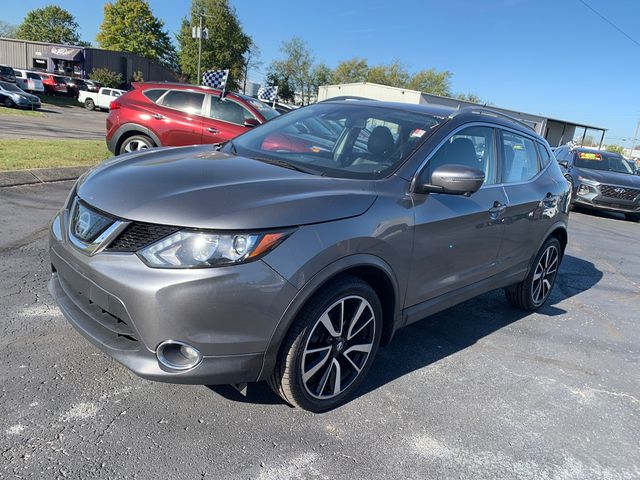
(545, 157)
(154, 94)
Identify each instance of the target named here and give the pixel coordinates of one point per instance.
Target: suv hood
(201, 188)
(608, 178)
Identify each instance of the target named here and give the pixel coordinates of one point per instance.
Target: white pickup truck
(100, 100)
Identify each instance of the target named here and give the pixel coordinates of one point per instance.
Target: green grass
(23, 154)
(20, 112)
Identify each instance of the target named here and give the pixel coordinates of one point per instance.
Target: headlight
(192, 249)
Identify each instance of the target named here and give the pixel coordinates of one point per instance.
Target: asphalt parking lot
(480, 391)
(58, 122)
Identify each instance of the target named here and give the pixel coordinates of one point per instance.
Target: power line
(609, 22)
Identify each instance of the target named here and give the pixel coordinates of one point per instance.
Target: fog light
(177, 355)
(583, 190)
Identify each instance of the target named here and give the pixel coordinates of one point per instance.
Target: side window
(106, 91)
(471, 147)
(188, 102)
(228, 111)
(519, 158)
(154, 94)
(545, 158)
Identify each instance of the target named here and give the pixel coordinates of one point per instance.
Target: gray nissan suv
(291, 253)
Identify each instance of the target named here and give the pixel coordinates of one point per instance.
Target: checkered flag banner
(215, 78)
(268, 94)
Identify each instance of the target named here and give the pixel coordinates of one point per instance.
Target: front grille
(623, 193)
(138, 235)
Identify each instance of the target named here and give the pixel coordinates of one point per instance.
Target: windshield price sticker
(418, 133)
(590, 156)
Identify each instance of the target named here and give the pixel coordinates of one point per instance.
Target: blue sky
(552, 57)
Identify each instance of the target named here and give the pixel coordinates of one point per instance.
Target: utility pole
(635, 138)
(199, 47)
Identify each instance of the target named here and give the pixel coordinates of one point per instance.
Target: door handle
(157, 116)
(212, 130)
(497, 210)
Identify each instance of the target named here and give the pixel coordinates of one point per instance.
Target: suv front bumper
(127, 309)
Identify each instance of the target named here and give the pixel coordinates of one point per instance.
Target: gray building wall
(20, 54)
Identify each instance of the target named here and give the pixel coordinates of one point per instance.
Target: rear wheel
(89, 105)
(632, 217)
(534, 291)
(136, 143)
(330, 346)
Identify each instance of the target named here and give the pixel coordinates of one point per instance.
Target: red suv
(167, 114)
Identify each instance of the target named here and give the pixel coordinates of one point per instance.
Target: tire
(310, 339)
(89, 105)
(135, 143)
(534, 291)
(632, 217)
(7, 102)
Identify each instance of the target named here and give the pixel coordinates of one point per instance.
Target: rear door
(533, 197)
(177, 117)
(224, 119)
(457, 238)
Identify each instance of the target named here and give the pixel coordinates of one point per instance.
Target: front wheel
(7, 102)
(534, 290)
(136, 143)
(89, 105)
(330, 346)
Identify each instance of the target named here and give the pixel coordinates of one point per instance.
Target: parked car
(232, 264)
(100, 100)
(92, 85)
(164, 114)
(75, 86)
(601, 180)
(29, 81)
(53, 84)
(13, 96)
(7, 74)
(281, 108)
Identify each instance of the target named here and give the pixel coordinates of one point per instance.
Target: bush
(106, 77)
(615, 149)
(137, 76)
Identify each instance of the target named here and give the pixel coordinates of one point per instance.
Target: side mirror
(563, 163)
(454, 180)
(251, 122)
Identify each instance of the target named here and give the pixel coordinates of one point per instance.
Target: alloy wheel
(338, 347)
(544, 275)
(135, 145)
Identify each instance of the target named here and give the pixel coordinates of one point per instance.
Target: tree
(615, 149)
(130, 26)
(320, 74)
(295, 67)
(469, 97)
(106, 77)
(50, 24)
(393, 74)
(351, 71)
(432, 81)
(224, 49)
(251, 60)
(7, 30)
(275, 77)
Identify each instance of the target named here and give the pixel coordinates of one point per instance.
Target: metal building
(77, 61)
(557, 132)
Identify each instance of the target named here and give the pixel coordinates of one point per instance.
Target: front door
(224, 120)
(457, 238)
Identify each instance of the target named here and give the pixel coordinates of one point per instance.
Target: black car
(601, 180)
(7, 74)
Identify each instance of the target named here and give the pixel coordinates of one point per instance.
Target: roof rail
(496, 113)
(346, 97)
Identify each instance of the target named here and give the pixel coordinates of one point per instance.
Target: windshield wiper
(219, 146)
(290, 166)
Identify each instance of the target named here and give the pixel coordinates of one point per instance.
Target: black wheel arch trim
(114, 143)
(332, 270)
(550, 232)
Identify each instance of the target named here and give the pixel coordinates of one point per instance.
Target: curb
(39, 175)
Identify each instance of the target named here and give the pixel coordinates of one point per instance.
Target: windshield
(339, 139)
(11, 87)
(603, 161)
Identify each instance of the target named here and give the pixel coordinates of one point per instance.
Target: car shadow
(599, 213)
(438, 336)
